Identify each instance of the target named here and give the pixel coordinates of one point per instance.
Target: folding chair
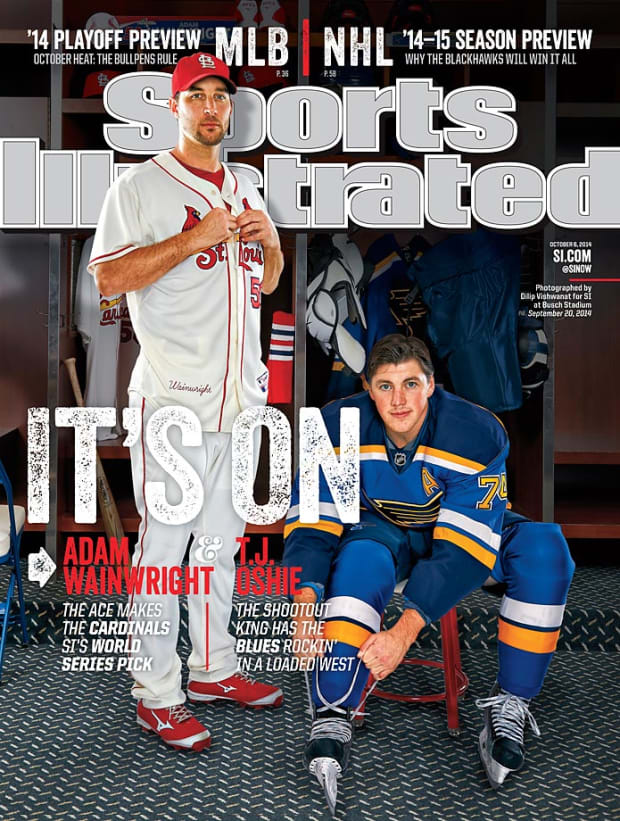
(12, 519)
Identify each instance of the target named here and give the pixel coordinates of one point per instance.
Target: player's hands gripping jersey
(255, 226)
(216, 226)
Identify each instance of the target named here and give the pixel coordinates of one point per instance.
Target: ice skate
(501, 744)
(328, 749)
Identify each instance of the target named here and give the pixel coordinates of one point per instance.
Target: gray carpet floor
(71, 750)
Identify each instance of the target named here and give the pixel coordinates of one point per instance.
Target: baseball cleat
(501, 743)
(175, 725)
(239, 688)
(327, 751)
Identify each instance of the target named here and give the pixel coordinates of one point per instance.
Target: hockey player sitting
(433, 508)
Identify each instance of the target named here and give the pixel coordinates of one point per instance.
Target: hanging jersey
(470, 284)
(110, 344)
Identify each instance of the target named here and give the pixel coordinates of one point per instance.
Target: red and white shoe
(174, 725)
(240, 688)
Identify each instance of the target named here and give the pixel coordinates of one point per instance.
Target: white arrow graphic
(41, 567)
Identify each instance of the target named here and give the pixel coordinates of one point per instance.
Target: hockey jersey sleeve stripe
(348, 607)
(532, 641)
(481, 531)
(327, 510)
(444, 459)
(328, 527)
(384, 264)
(346, 632)
(370, 453)
(484, 555)
(374, 456)
(535, 615)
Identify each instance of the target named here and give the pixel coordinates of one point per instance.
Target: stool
(12, 519)
(455, 680)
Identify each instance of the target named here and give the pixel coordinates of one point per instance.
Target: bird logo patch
(192, 218)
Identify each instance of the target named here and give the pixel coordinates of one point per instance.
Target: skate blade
(327, 772)
(495, 772)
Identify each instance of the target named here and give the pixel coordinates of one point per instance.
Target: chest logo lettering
(428, 483)
(207, 259)
(249, 255)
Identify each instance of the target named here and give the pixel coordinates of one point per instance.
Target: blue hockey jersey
(470, 286)
(452, 490)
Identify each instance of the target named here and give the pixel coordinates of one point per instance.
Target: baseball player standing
(193, 247)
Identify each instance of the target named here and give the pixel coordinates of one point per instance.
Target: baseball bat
(109, 512)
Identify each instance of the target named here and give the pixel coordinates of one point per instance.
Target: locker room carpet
(71, 749)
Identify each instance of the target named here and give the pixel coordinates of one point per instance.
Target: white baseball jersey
(111, 346)
(199, 324)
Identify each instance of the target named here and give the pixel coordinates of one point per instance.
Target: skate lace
(179, 713)
(338, 728)
(508, 715)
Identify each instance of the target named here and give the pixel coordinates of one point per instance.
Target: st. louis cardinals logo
(206, 61)
(192, 218)
(113, 309)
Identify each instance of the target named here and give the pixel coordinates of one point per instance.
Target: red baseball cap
(197, 66)
(96, 81)
(260, 76)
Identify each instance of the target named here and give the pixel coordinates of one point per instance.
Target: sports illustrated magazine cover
(309, 438)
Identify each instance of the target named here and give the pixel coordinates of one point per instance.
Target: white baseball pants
(162, 545)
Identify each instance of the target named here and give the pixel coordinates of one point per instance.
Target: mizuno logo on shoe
(226, 687)
(161, 725)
